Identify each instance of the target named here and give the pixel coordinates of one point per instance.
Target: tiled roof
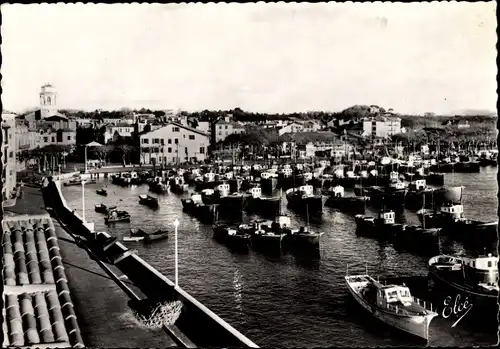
(179, 125)
(38, 309)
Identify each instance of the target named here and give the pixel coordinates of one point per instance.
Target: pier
(196, 325)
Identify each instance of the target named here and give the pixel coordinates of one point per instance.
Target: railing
(424, 304)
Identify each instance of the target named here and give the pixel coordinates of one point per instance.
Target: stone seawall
(203, 327)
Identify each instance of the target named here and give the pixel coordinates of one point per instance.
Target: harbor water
(289, 300)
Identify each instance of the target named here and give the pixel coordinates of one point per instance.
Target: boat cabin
(420, 171)
(223, 189)
(299, 167)
(134, 175)
(308, 176)
(371, 163)
(387, 217)
(208, 192)
(363, 174)
(323, 163)
(385, 160)
(256, 192)
(394, 176)
(284, 221)
(267, 175)
(209, 177)
(350, 174)
(374, 173)
(338, 191)
(482, 269)
(158, 180)
(452, 210)
(339, 173)
(287, 172)
(228, 175)
(197, 198)
(256, 167)
(419, 184)
(398, 185)
(306, 189)
(393, 294)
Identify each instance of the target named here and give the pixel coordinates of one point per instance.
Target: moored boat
(102, 192)
(148, 201)
(303, 198)
(392, 304)
(115, 216)
(101, 208)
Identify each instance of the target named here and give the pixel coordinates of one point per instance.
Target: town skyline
(396, 56)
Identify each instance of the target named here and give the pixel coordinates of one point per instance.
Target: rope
(95, 273)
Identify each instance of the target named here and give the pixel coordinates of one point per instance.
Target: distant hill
(482, 112)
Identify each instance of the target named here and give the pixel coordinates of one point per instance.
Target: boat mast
(423, 210)
(307, 216)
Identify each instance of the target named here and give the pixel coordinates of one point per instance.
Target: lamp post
(83, 201)
(176, 225)
(85, 158)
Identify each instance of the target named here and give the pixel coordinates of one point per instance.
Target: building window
(220, 126)
(186, 150)
(169, 141)
(176, 129)
(45, 139)
(169, 150)
(162, 142)
(11, 154)
(220, 133)
(53, 139)
(145, 141)
(202, 150)
(489, 264)
(191, 137)
(176, 141)
(226, 127)
(69, 138)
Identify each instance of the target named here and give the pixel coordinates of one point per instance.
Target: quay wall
(203, 327)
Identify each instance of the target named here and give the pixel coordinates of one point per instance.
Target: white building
(174, 143)
(290, 128)
(381, 127)
(112, 132)
(48, 100)
(9, 145)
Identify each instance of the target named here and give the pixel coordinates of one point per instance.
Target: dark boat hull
(355, 205)
(263, 206)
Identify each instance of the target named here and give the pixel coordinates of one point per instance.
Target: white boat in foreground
(392, 304)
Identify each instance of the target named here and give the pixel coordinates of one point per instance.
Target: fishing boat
(148, 201)
(255, 203)
(195, 206)
(384, 226)
(177, 185)
(268, 181)
(350, 204)
(303, 196)
(101, 208)
(115, 216)
(102, 192)
(264, 234)
(472, 277)
(452, 222)
(78, 181)
(392, 304)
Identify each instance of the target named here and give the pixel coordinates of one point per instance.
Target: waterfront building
(381, 126)
(174, 143)
(290, 128)
(226, 127)
(9, 145)
(113, 132)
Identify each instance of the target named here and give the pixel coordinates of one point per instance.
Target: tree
(102, 152)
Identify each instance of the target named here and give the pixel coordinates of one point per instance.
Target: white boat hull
(415, 325)
(133, 238)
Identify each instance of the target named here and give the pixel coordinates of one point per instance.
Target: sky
(263, 57)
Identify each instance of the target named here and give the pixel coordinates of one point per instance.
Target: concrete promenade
(101, 306)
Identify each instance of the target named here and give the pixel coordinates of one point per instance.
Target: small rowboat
(102, 192)
(140, 235)
(101, 208)
(117, 216)
(133, 238)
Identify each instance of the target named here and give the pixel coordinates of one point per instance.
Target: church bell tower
(48, 100)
